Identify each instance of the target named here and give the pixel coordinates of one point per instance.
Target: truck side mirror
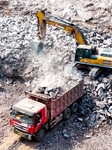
(11, 110)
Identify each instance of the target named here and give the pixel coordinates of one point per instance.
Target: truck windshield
(22, 117)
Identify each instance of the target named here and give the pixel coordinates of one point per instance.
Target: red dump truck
(32, 116)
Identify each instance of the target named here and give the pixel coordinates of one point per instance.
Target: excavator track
(95, 72)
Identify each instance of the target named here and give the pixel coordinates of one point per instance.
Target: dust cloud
(52, 70)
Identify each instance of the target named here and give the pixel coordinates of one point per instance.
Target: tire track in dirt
(31, 145)
(15, 142)
(9, 142)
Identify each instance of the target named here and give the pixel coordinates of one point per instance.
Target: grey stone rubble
(54, 93)
(18, 60)
(16, 53)
(98, 98)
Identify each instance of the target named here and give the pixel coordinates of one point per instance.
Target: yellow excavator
(86, 55)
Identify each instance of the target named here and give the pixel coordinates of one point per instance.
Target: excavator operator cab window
(79, 54)
(87, 53)
(82, 53)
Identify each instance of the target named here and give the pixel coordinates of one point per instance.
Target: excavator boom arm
(66, 26)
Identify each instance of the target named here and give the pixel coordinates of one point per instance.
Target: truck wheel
(66, 113)
(40, 134)
(74, 107)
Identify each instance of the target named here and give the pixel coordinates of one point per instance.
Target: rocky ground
(22, 68)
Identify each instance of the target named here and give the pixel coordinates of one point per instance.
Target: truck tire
(39, 135)
(66, 113)
(74, 107)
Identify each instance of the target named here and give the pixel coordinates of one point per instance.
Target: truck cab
(32, 116)
(27, 117)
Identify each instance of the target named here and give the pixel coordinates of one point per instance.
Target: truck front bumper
(23, 134)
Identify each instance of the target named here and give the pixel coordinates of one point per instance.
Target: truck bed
(55, 106)
(66, 99)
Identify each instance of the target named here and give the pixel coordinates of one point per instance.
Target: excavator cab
(82, 53)
(85, 52)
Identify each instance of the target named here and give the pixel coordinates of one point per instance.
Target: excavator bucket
(38, 45)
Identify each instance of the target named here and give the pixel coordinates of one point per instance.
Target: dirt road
(93, 140)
